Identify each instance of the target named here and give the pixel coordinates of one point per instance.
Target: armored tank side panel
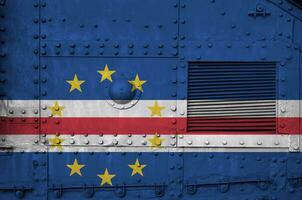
(153, 99)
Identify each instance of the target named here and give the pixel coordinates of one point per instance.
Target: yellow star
(75, 168)
(156, 141)
(75, 83)
(137, 84)
(137, 168)
(106, 74)
(56, 109)
(156, 109)
(106, 177)
(56, 142)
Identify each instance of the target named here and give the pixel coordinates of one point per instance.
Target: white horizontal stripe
(171, 143)
(104, 108)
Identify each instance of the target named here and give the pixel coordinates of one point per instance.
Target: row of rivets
(224, 142)
(114, 142)
(101, 51)
(3, 54)
(11, 111)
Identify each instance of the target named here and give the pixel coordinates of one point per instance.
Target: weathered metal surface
(45, 44)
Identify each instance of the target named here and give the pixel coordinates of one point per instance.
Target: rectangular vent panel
(231, 97)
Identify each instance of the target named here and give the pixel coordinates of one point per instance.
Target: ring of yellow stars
(75, 168)
(137, 84)
(106, 74)
(56, 109)
(75, 84)
(137, 168)
(156, 109)
(156, 141)
(56, 142)
(106, 177)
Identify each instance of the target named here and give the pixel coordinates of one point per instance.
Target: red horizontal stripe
(197, 125)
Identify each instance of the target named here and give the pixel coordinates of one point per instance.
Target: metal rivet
(115, 142)
(228, 45)
(173, 108)
(241, 142)
(207, 142)
(224, 142)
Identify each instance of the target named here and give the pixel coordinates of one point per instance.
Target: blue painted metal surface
(45, 42)
(166, 176)
(132, 35)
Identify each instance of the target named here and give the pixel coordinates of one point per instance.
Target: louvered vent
(231, 97)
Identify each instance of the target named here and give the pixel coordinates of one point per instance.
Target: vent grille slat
(231, 97)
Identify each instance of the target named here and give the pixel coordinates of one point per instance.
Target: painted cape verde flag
(112, 100)
(137, 97)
